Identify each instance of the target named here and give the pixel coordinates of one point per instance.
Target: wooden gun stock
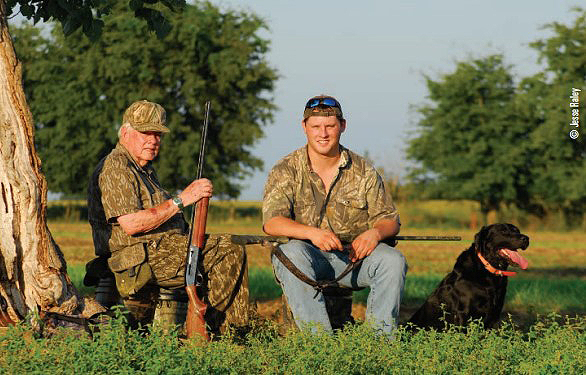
(195, 324)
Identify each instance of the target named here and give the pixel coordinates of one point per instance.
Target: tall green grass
(549, 347)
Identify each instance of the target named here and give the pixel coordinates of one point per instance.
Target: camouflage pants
(225, 276)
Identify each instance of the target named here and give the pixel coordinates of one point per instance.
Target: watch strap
(178, 202)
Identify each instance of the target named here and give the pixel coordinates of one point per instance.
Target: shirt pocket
(351, 211)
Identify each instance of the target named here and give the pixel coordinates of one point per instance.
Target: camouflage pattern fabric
(356, 201)
(119, 186)
(146, 116)
(224, 271)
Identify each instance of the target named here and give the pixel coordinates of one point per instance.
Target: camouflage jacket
(355, 202)
(119, 186)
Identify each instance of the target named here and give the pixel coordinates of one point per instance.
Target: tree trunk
(33, 272)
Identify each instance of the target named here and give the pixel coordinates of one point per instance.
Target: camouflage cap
(323, 105)
(146, 116)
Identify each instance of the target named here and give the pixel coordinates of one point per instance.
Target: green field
(543, 329)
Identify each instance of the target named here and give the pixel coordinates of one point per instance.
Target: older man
(334, 206)
(140, 227)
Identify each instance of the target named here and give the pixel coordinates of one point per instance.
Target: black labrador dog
(476, 287)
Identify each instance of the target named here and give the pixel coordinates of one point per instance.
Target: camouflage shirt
(355, 202)
(119, 186)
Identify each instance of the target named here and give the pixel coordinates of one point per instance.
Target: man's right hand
(324, 239)
(198, 189)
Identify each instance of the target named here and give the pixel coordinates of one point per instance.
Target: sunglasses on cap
(328, 102)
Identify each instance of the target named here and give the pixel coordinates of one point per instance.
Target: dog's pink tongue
(516, 258)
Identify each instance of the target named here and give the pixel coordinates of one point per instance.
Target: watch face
(178, 202)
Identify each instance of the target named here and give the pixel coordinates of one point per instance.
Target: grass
(550, 346)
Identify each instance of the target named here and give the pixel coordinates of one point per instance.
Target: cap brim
(151, 128)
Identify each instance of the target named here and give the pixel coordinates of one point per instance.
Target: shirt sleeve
(379, 200)
(120, 192)
(278, 195)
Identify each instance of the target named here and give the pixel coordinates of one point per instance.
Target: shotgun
(195, 324)
(253, 239)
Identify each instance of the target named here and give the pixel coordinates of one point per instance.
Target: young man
(334, 207)
(140, 227)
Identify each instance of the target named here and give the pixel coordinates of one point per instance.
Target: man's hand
(324, 239)
(198, 189)
(364, 244)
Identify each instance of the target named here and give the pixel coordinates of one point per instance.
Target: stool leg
(171, 309)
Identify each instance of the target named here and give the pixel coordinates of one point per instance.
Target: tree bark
(33, 272)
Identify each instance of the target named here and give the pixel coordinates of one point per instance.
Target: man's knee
(389, 259)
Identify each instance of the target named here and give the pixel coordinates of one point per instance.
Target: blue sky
(372, 56)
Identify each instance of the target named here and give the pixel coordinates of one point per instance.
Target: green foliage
(467, 140)
(559, 163)
(78, 90)
(88, 15)
(485, 138)
(551, 346)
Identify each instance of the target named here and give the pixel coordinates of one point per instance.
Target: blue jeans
(383, 271)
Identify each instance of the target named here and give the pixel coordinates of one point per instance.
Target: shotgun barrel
(427, 238)
(254, 239)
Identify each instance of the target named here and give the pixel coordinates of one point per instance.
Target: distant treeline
(414, 214)
(219, 211)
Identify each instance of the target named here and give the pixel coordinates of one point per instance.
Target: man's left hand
(364, 244)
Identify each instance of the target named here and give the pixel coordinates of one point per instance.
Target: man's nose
(154, 138)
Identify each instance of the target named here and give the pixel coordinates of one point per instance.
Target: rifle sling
(319, 286)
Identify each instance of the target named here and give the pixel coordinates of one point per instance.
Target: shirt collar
(345, 158)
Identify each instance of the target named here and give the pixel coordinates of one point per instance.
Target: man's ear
(123, 131)
(342, 126)
(480, 237)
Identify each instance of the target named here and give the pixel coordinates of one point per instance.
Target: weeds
(553, 345)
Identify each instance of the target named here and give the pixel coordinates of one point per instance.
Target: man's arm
(146, 220)
(283, 226)
(365, 243)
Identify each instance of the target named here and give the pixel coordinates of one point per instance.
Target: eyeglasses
(328, 102)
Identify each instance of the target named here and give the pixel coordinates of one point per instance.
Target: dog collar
(493, 270)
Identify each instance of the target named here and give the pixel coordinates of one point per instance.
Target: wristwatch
(178, 202)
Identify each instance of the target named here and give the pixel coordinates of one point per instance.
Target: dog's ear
(480, 237)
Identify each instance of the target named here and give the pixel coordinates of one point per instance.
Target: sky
(373, 55)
